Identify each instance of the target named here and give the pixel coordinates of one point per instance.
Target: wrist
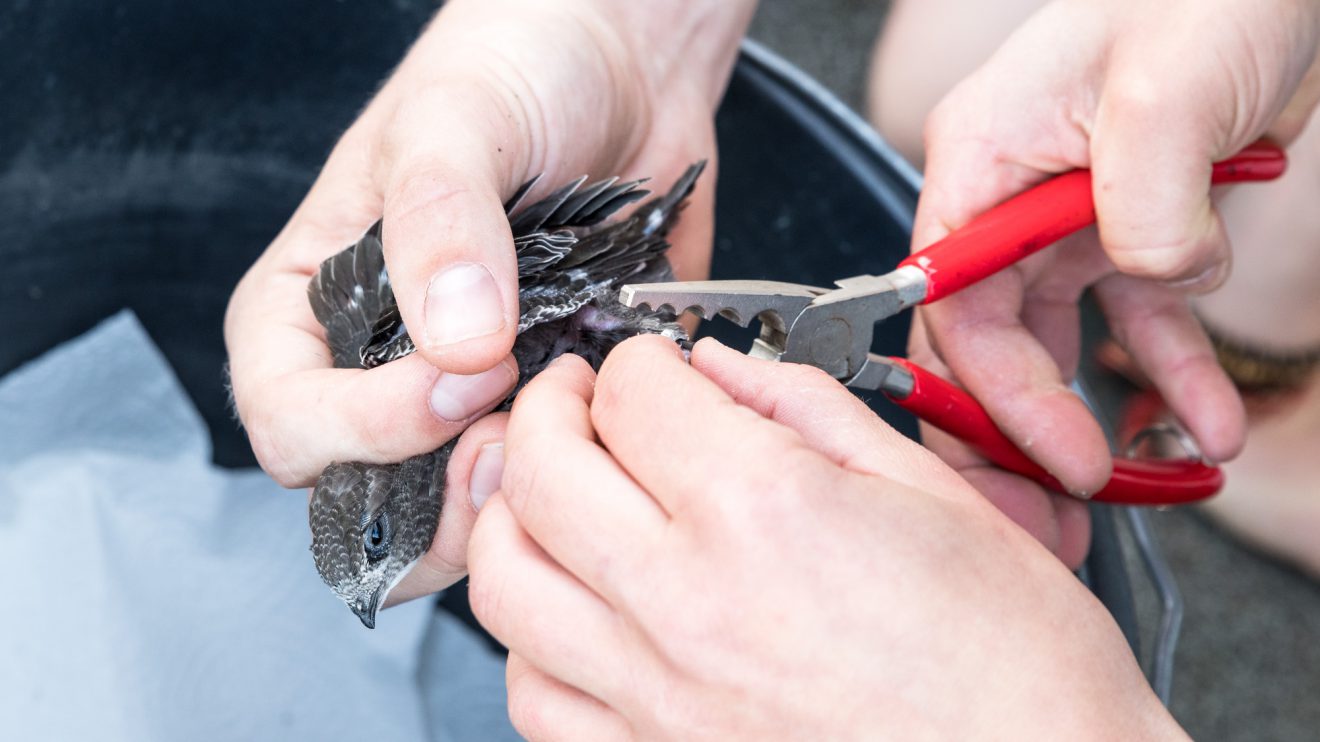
(688, 43)
(1153, 722)
(1104, 699)
(672, 46)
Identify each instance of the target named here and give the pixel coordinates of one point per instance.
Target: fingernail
(486, 474)
(1207, 280)
(457, 397)
(462, 303)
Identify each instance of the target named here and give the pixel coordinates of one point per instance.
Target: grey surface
(462, 684)
(1248, 667)
(829, 39)
(158, 597)
(181, 609)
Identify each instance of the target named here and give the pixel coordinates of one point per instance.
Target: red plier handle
(1039, 217)
(832, 329)
(1015, 229)
(1134, 482)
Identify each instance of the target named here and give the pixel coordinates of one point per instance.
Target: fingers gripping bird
(371, 522)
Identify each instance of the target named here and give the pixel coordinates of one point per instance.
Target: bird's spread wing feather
(566, 259)
(349, 294)
(603, 258)
(575, 206)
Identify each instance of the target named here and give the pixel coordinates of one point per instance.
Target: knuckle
(941, 120)
(481, 544)
(620, 368)
(447, 556)
(1143, 326)
(527, 472)
(1139, 93)
(271, 448)
(400, 122)
(361, 141)
(705, 645)
(1167, 258)
(526, 710)
(485, 592)
(771, 493)
(609, 406)
(955, 119)
(378, 434)
(421, 184)
(644, 350)
(805, 376)
(691, 639)
(782, 493)
(417, 173)
(1134, 94)
(670, 714)
(632, 371)
(362, 133)
(606, 404)
(923, 348)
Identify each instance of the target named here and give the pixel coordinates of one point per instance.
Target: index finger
(688, 442)
(981, 333)
(566, 491)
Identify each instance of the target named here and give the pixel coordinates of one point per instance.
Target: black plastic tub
(150, 150)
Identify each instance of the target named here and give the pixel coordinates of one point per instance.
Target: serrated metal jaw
(739, 302)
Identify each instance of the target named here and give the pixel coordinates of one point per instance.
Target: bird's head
(370, 523)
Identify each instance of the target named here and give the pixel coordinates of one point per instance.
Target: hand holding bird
(372, 522)
(436, 154)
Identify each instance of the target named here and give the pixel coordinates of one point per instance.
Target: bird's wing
(603, 258)
(349, 294)
(565, 260)
(637, 240)
(573, 205)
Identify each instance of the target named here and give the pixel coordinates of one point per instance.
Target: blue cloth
(152, 596)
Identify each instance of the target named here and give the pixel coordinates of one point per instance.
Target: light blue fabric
(152, 596)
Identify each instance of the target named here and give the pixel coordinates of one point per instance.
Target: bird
(371, 522)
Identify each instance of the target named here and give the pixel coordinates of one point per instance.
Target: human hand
(494, 91)
(1147, 96)
(742, 550)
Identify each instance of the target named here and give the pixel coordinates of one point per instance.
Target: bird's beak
(367, 613)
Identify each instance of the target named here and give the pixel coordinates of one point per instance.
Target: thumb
(447, 242)
(1152, 153)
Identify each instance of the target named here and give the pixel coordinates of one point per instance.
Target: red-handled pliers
(832, 328)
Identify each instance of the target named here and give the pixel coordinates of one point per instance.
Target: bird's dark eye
(376, 538)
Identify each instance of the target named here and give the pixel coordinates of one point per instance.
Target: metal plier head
(831, 329)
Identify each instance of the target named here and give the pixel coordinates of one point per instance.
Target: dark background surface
(1248, 667)
(199, 168)
(150, 150)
